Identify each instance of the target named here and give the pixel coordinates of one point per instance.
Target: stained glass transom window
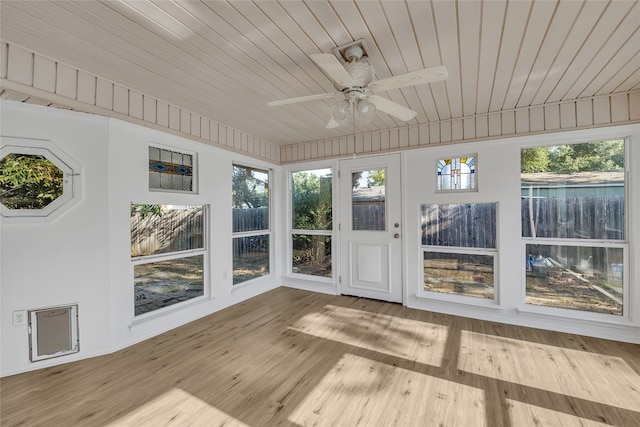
(170, 170)
(457, 174)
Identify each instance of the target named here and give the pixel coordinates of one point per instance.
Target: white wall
(83, 256)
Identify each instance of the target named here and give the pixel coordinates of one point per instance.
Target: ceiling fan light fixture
(366, 110)
(341, 110)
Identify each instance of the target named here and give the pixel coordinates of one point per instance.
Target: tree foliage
(311, 201)
(250, 190)
(146, 210)
(585, 157)
(29, 181)
(375, 177)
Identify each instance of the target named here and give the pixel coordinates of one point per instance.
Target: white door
(370, 236)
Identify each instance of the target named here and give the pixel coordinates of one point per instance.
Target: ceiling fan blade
(391, 108)
(333, 123)
(300, 99)
(428, 75)
(334, 69)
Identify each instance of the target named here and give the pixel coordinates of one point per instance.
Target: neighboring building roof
(580, 178)
(368, 194)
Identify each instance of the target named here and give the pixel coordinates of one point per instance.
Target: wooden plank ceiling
(226, 59)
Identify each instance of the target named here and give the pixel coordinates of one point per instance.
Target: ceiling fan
(355, 80)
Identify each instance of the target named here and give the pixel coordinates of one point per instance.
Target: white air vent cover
(53, 332)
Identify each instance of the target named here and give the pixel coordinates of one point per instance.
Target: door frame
(398, 292)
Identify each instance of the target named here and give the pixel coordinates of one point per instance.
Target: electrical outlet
(19, 318)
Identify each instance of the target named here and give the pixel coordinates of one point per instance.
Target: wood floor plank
(296, 358)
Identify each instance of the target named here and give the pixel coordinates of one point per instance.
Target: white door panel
(371, 241)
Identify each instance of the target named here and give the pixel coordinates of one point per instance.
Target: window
(573, 225)
(168, 249)
(170, 170)
(457, 174)
(368, 200)
(34, 182)
(311, 222)
(459, 249)
(251, 230)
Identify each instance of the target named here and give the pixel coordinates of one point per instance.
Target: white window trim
(291, 231)
(204, 251)
(194, 169)
(264, 232)
(580, 315)
(71, 190)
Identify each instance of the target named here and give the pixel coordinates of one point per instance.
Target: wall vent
(53, 332)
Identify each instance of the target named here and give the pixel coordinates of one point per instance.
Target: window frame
(297, 231)
(194, 170)
(493, 252)
(622, 244)
(461, 190)
(261, 232)
(71, 192)
(168, 256)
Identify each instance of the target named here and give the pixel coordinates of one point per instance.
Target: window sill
(458, 300)
(529, 310)
(166, 311)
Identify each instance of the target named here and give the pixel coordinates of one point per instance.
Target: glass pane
(311, 200)
(461, 274)
(576, 277)
(457, 173)
(311, 255)
(158, 229)
(574, 191)
(368, 200)
(250, 199)
(29, 181)
(463, 225)
(164, 283)
(250, 257)
(170, 170)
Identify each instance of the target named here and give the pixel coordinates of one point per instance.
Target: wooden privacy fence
(251, 219)
(459, 225)
(574, 217)
(174, 230)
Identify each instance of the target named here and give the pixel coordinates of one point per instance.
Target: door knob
(396, 225)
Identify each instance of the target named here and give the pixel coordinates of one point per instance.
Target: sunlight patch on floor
(410, 339)
(591, 376)
(177, 407)
(523, 414)
(360, 391)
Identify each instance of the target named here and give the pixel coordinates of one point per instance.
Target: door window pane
(368, 200)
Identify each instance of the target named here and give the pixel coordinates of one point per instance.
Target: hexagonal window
(33, 181)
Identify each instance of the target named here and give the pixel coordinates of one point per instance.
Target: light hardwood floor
(294, 358)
